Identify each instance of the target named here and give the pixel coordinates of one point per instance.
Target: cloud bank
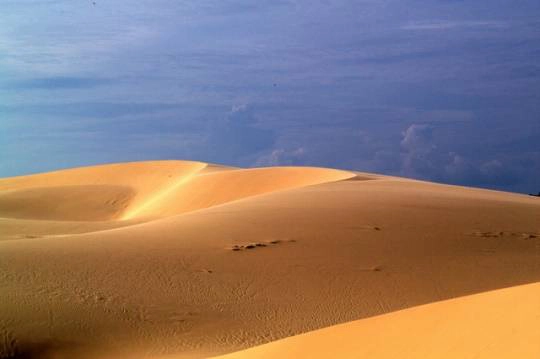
(445, 91)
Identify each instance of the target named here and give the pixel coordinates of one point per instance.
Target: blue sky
(444, 90)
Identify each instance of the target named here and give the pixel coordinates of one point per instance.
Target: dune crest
(203, 190)
(145, 189)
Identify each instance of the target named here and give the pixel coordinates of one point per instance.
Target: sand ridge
(141, 179)
(149, 189)
(203, 190)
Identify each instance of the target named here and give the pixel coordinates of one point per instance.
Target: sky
(441, 90)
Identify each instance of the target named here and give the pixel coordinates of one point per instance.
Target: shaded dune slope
(258, 255)
(115, 187)
(66, 203)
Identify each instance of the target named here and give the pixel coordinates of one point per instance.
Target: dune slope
(68, 203)
(149, 190)
(90, 193)
(209, 189)
(498, 324)
(213, 260)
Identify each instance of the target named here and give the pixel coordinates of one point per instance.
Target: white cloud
(417, 147)
(448, 25)
(282, 157)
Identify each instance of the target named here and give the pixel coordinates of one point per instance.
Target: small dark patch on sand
(11, 348)
(241, 247)
(504, 234)
(372, 269)
(365, 228)
(359, 178)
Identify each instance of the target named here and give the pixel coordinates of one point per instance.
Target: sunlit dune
(167, 188)
(209, 189)
(498, 324)
(187, 260)
(75, 194)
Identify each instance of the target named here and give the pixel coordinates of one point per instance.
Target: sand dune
(194, 260)
(154, 189)
(72, 203)
(76, 194)
(499, 324)
(205, 190)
